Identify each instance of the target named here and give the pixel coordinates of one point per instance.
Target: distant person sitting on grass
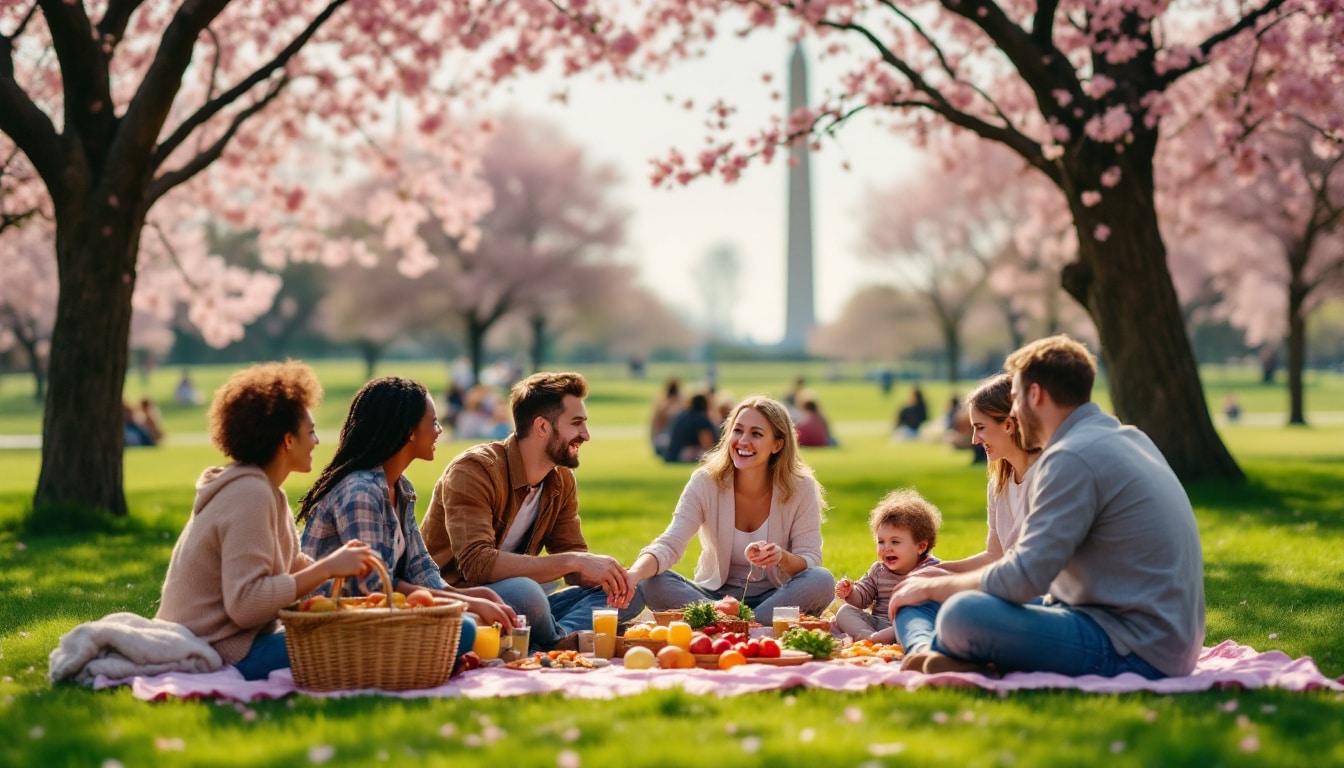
(814, 431)
(912, 416)
(692, 432)
(364, 495)
(237, 561)
(905, 526)
(1109, 538)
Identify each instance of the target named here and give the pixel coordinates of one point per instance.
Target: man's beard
(557, 450)
(1030, 425)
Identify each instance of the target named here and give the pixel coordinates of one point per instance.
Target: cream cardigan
(707, 509)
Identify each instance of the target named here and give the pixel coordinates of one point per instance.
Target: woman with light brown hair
(757, 509)
(1010, 466)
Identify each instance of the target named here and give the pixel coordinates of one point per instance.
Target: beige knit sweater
(229, 575)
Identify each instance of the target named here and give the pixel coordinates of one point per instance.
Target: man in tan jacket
(499, 504)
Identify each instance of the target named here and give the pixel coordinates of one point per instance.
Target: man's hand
(491, 612)
(594, 570)
(918, 588)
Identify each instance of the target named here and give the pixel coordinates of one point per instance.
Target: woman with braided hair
(363, 494)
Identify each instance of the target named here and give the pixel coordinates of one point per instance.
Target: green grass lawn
(1274, 551)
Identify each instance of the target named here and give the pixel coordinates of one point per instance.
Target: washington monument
(800, 316)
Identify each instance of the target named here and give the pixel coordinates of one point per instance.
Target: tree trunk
(1123, 282)
(952, 347)
(476, 331)
(538, 351)
(1297, 349)
(82, 424)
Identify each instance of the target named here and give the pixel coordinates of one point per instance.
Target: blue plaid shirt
(359, 507)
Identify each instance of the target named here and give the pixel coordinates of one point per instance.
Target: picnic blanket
(1223, 666)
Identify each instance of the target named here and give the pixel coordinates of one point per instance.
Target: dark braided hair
(382, 417)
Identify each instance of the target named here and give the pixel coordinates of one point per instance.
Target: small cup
(604, 645)
(586, 637)
(487, 642)
(785, 618)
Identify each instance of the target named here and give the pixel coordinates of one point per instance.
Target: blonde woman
(757, 510)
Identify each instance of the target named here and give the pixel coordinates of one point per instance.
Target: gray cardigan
(1110, 532)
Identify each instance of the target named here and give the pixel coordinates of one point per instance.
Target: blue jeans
(978, 627)
(269, 653)
(560, 613)
(811, 589)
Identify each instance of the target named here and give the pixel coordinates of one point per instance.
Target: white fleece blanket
(126, 645)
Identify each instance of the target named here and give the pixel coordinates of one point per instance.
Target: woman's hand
(764, 554)
(353, 558)
(843, 588)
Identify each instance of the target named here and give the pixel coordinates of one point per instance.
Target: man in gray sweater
(1109, 540)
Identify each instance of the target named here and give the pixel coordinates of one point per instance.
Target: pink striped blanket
(1227, 665)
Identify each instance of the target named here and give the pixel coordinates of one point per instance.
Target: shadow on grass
(1308, 490)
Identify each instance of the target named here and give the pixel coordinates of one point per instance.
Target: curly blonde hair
(786, 466)
(254, 410)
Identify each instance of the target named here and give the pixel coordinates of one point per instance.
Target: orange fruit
(730, 659)
(658, 633)
(670, 657)
(422, 598)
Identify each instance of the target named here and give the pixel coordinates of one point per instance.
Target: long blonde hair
(994, 398)
(785, 467)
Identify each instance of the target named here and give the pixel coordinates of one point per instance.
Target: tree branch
(112, 27)
(84, 75)
(213, 106)
(1205, 48)
(1043, 24)
(26, 124)
(165, 182)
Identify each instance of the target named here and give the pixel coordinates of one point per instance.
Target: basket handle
(339, 581)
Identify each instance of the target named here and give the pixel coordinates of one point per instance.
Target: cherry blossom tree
(879, 322)
(119, 105)
(1079, 90)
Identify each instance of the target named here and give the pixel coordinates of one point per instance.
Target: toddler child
(905, 526)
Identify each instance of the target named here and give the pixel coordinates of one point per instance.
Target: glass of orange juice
(679, 634)
(785, 617)
(487, 642)
(604, 621)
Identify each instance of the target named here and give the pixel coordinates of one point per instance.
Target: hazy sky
(626, 124)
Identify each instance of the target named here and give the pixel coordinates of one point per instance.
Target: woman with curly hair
(237, 561)
(757, 510)
(364, 495)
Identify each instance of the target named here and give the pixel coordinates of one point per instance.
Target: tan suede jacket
(475, 501)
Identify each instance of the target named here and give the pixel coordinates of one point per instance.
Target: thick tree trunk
(476, 331)
(952, 346)
(1124, 283)
(82, 437)
(1297, 349)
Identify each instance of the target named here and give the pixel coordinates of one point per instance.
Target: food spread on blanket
(568, 660)
(867, 649)
(814, 641)
(420, 598)
(711, 618)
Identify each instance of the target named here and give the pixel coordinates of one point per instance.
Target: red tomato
(769, 648)
(711, 629)
(720, 645)
(702, 644)
(753, 649)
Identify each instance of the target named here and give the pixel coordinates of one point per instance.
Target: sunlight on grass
(1274, 578)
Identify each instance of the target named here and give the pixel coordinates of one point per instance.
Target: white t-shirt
(522, 522)
(1007, 510)
(739, 567)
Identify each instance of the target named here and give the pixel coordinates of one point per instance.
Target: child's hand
(843, 587)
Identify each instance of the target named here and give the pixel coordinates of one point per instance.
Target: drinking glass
(487, 642)
(604, 621)
(786, 617)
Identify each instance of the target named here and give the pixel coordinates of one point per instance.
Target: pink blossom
(1098, 86)
(1111, 176)
(1101, 233)
(1090, 198)
(1111, 125)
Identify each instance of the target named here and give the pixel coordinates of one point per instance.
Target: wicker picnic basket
(395, 649)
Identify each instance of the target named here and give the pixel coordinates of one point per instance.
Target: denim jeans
(915, 626)
(267, 654)
(561, 612)
(811, 590)
(979, 627)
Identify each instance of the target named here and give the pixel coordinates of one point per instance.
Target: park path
(626, 431)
